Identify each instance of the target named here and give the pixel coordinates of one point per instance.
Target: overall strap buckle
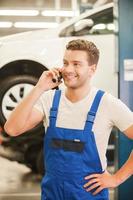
(53, 113)
(93, 110)
(91, 116)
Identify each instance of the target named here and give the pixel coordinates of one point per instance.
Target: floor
(17, 182)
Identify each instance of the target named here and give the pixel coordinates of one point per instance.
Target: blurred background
(42, 28)
(23, 15)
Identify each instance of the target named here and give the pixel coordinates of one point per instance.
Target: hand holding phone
(58, 78)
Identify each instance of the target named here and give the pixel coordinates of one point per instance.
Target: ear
(92, 68)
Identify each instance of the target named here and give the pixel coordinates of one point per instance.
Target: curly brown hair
(87, 46)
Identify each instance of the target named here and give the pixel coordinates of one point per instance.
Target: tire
(12, 91)
(30, 157)
(40, 163)
(34, 158)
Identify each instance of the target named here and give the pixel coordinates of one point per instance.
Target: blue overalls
(70, 155)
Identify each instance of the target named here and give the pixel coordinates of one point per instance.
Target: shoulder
(113, 102)
(48, 94)
(106, 99)
(111, 105)
(47, 98)
(117, 111)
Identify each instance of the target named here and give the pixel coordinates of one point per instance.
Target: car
(24, 56)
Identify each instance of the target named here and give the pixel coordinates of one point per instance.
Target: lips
(70, 77)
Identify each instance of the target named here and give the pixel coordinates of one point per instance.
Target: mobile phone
(58, 78)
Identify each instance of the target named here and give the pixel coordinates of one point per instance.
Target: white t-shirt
(111, 112)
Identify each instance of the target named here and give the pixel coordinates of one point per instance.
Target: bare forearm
(125, 171)
(22, 118)
(106, 180)
(21, 113)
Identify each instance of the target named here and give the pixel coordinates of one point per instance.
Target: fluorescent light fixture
(19, 12)
(6, 24)
(36, 24)
(60, 13)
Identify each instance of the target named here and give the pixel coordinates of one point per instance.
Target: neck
(77, 94)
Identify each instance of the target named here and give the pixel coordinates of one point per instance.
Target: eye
(65, 64)
(76, 64)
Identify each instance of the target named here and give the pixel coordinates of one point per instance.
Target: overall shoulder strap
(54, 108)
(93, 110)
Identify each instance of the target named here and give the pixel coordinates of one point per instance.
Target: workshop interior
(33, 36)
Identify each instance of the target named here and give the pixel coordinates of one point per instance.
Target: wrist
(117, 180)
(39, 90)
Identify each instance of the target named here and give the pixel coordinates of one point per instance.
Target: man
(78, 123)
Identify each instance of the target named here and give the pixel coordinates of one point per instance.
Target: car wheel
(12, 91)
(34, 158)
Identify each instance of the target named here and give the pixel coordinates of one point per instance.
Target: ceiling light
(60, 13)
(35, 24)
(19, 12)
(6, 24)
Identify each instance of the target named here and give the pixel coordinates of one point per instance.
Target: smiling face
(76, 70)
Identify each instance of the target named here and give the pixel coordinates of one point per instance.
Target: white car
(24, 56)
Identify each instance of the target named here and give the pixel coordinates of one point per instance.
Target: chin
(71, 86)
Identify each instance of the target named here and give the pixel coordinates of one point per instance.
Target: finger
(55, 84)
(50, 73)
(93, 187)
(61, 69)
(98, 190)
(92, 176)
(53, 75)
(56, 71)
(91, 182)
(58, 76)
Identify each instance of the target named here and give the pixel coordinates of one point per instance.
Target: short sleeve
(43, 104)
(121, 115)
(39, 106)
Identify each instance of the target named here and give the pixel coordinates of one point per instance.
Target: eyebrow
(73, 61)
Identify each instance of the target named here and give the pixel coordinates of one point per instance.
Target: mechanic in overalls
(78, 121)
